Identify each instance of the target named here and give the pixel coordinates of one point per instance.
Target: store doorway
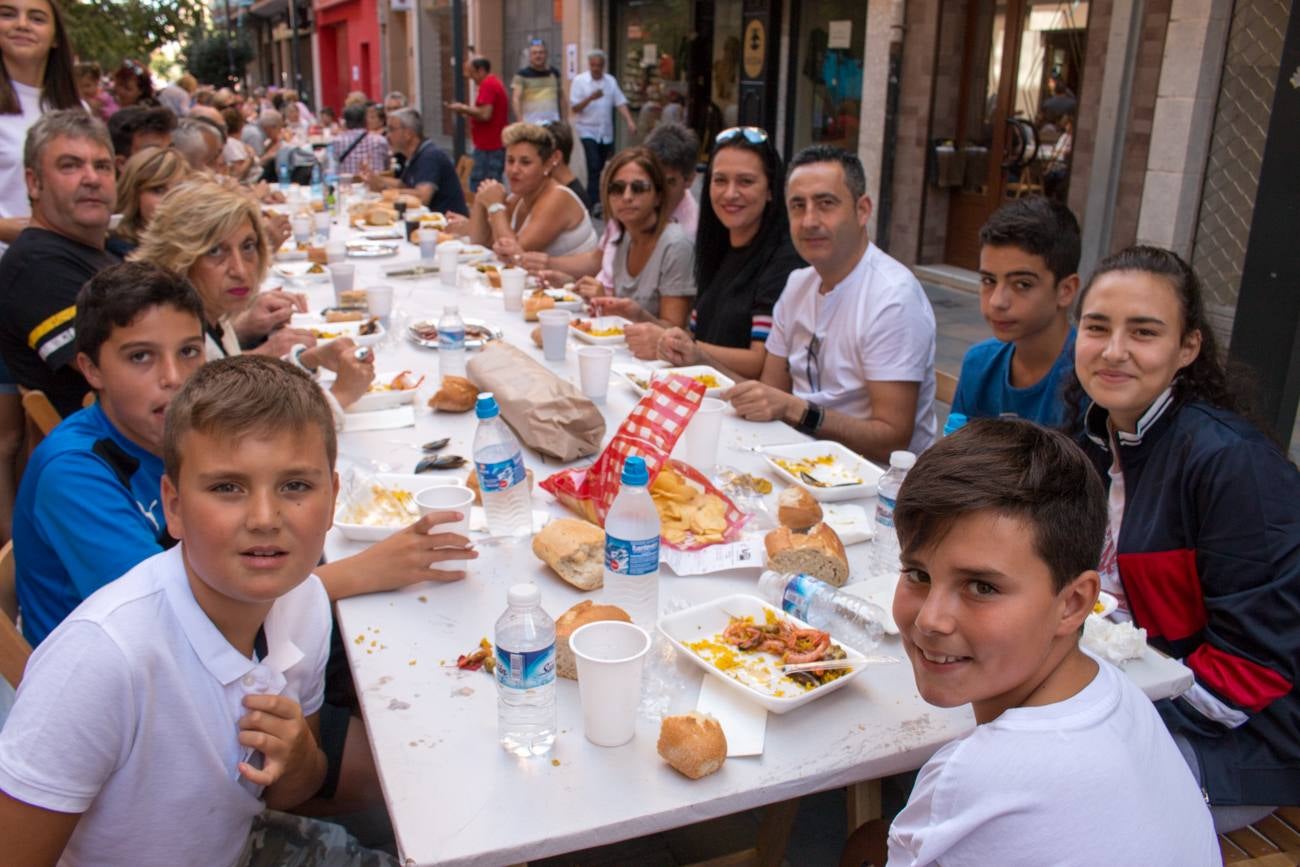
(1022, 69)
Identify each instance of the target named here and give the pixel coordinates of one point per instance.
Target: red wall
(348, 35)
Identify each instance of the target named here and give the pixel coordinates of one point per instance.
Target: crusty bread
(381, 216)
(534, 304)
(457, 394)
(819, 552)
(575, 550)
(567, 623)
(536, 335)
(354, 298)
(796, 508)
(471, 482)
(693, 744)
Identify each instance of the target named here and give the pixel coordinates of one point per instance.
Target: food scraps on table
(587, 326)
(685, 510)
(753, 654)
(735, 480)
(820, 471)
(316, 268)
(404, 381)
(382, 506)
(480, 657)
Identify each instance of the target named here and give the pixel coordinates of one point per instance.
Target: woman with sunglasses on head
(1203, 544)
(539, 213)
(743, 256)
(653, 284)
(133, 85)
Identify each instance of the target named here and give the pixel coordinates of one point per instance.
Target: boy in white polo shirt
(1001, 526)
(157, 722)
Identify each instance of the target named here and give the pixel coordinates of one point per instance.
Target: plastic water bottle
(331, 174)
(956, 421)
(451, 343)
(525, 651)
(851, 619)
(632, 547)
(317, 191)
(884, 547)
(282, 169)
(499, 462)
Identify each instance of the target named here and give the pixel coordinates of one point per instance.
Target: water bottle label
(798, 593)
(884, 511)
(527, 670)
(451, 339)
(631, 557)
(501, 475)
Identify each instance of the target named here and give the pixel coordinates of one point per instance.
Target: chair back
(464, 168)
(14, 649)
(945, 387)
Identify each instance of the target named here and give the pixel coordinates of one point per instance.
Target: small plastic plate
(408, 482)
(708, 621)
(845, 467)
(378, 399)
(300, 271)
(327, 331)
(600, 323)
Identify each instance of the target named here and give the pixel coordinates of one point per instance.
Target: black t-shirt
(735, 309)
(430, 165)
(40, 276)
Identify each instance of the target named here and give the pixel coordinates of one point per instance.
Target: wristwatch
(812, 419)
(495, 208)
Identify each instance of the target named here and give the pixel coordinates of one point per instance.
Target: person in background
(851, 353)
(148, 176)
(395, 101)
(251, 132)
(539, 213)
(743, 256)
(428, 172)
(201, 141)
(329, 121)
(133, 85)
(138, 127)
(271, 125)
(305, 115)
(295, 123)
(90, 88)
(536, 92)
(175, 99)
(376, 118)
(1202, 545)
(1029, 259)
(560, 171)
(238, 155)
(357, 148)
(653, 282)
(487, 118)
(593, 98)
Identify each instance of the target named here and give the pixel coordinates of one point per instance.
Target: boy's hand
(275, 727)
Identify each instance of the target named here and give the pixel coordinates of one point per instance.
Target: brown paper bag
(545, 412)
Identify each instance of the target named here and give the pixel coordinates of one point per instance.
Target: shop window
(828, 93)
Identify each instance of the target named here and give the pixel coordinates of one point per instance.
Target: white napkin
(743, 722)
(383, 419)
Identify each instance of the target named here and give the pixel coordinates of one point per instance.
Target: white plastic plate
(408, 482)
(848, 467)
(599, 323)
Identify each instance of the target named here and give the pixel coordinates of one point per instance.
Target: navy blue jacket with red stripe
(1209, 557)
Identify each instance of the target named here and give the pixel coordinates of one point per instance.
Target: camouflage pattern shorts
(284, 840)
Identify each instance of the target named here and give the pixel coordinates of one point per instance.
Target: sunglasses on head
(533, 42)
(751, 134)
(639, 188)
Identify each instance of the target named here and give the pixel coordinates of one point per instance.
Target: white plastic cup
(428, 244)
(379, 301)
(700, 439)
(593, 371)
(302, 224)
(448, 258)
(323, 221)
(610, 656)
(447, 498)
(512, 287)
(555, 333)
(342, 275)
(336, 251)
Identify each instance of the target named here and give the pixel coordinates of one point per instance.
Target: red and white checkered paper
(650, 430)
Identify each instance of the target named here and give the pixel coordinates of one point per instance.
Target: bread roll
(536, 335)
(819, 552)
(471, 482)
(390, 194)
(354, 298)
(345, 316)
(567, 623)
(796, 508)
(693, 744)
(575, 550)
(533, 304)
(457, 394)
(379, 216)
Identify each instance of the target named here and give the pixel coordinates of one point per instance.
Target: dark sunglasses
(812, 368)
(639, 188)
(752, 134)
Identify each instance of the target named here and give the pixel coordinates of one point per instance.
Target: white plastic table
(455, 796)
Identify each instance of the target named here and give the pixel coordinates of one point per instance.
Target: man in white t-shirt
(177, 703)
(593, 98)
(1069, 763)
(851, 353)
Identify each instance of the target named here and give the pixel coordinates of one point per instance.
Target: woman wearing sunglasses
(743, 256)
(1203, 544)
(652, 281)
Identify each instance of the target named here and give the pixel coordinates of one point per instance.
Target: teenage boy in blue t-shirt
(1029, 262)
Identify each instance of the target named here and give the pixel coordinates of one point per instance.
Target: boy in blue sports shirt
(1029, 259)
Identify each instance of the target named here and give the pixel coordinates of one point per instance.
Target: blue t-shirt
(431, 165)
(984, 389)
(88, 510)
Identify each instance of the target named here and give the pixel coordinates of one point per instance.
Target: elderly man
(487, 117)
(851, 353)
(68, 161)
(535, 90)
(428, 173)
(357, 147)
(593, 97)
(201, 141)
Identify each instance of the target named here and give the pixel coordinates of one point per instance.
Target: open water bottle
(851, 619)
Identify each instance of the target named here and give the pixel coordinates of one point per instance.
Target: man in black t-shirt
(428, 173)
(68, 160)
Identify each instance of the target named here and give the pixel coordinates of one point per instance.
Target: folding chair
(14, 649)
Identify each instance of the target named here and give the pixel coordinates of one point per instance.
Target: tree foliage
(107, 31)
(207, 59)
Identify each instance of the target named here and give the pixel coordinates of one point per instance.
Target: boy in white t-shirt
(155, 724)
(1001, 525)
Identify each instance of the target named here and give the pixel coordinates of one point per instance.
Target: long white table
(456, 797)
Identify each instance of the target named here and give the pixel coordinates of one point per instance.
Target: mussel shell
(441, 462)
(435, 445)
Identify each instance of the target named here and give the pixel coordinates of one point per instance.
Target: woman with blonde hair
(148, 175)
(213, 235)
(539, 213)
